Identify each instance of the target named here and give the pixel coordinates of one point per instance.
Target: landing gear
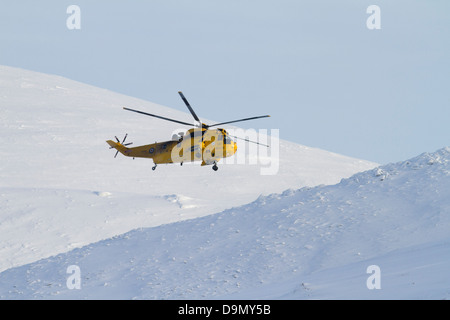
(215, 167)
(154, 167)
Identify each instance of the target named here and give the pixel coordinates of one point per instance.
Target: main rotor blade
(250, 141)
(189, 106)
(159, 117)
(246, 119)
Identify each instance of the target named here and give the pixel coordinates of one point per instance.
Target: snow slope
(61, 188)
(302, 243)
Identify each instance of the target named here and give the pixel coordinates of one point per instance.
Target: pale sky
(327, 80)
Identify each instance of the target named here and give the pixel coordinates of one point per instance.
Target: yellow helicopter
(197, 144)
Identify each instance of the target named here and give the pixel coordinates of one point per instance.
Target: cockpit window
(226, 140)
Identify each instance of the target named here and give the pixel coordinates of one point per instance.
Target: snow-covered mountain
(320, 242)
(61, 188)
(191, 233)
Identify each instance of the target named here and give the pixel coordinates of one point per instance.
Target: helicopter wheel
(215, 167)
(154, 168)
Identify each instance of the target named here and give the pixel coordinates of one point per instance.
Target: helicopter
(201, 143)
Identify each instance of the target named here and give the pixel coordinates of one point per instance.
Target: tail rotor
(121, 143)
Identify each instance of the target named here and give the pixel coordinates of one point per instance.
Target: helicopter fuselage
(198, 144)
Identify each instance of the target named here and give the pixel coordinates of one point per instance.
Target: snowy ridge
(306, 243)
